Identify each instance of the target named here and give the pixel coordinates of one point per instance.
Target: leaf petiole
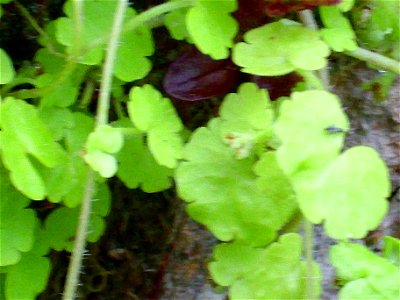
(376, 59)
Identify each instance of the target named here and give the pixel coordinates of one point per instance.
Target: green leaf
(176, 25)
(57, 120)
(280, 48)
(212, 27)
(306, 144)
(338, 33)
(249, 109)
(152, 113)
(273, 273)
(22, 121)
(275, 185)
(106, 139)
(103, 163)
(17, 223)
(7, 72)
(391, 251)
(345, 5)
(367, 275)
(131, 62)
(233, 261)
(379, 30)
(137, 166)
(74, 168)
(60, 94)
(23, 133)
(60, 225)
(358, 178)
(222, 191)
(22, 171)
(28, 278)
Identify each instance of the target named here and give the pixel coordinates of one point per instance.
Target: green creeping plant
(250, 175)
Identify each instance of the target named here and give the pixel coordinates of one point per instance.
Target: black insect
(334, 129)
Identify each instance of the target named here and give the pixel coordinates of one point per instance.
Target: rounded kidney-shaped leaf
(222, 191)
(280, 48)
(352, 194)
(211, 26)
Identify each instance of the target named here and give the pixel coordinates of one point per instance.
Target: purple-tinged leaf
(277, 86)
(195, 76)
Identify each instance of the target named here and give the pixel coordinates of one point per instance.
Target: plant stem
(101, 118)
(106, 79)
(145, 17)
(309, 248)
(37, 27)
(312, 80)
(87, 94)
(376, 59)
(307, 18)
(80, 240)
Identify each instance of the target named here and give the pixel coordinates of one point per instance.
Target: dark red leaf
(195, 76)
(277, 86)
(276, 8)
(251, 14)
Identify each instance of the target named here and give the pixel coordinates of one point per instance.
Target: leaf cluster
(247, 175)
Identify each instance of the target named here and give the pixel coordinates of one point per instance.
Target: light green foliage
(17, 223)
(176, 25)
(24, 133)
(103, 163)
(7, 72)
(279, 48)
(57, 120)
(301, 127)
(322, 180)
(60, 225)
(358, 178)
(211, 26)
(155, 115)
(105, 138)
(275, 272)
(246, 118)
(233, 261)
(367, 275)
(391, 251)
(66, 92)
(222, 191)
(137, 167)
(275, 185)
(103, 141)
(28, 278)
(379, 29)
(247, 110)
(74, 168)
(337, 33)
(131, 62)
(345, 5)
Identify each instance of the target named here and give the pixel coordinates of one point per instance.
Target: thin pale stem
(106, 79)
(102, 118)
(376, 59)
(312, 80)
(145, 17)
(309, 249)
(80, 240)
(307, 18)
